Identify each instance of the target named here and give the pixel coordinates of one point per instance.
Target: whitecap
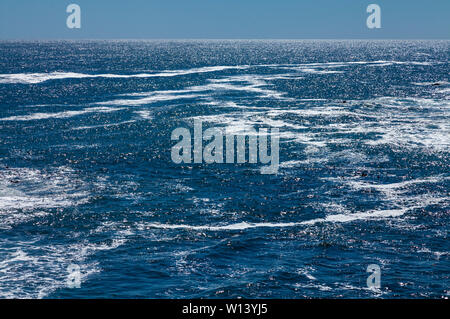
(34, 78)
(336, 218)
(60, 115)
(102, 125)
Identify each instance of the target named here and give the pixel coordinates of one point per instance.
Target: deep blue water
(86, 176)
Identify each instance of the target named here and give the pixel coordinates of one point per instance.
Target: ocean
(93, 206)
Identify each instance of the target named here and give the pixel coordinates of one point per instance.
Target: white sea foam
(151, 98)
(244, 123)
(145, 114)
(328, 67)
(316, 71)
(249, 83)
(237, 226)
(254, 84)
(34, 78)
(35, 270)
(403, 123)
(103, 125)
(389, 188)
(388, 120)
(60, 115)
(309, 161)
(336, 218)
(320, 111)
(27, 193)
(400, 121)
(392, 194)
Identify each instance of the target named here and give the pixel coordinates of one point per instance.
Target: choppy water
(87, 178)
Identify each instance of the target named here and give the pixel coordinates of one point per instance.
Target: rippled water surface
(86, 176)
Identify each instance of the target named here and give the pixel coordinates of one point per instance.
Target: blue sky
(245, 19)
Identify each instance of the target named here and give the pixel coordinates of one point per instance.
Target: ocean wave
(60, 115)
(336, 218)
(150, 98)
(318, 68)
(250, 83)
(27, 193)
(102, 125)
(35, 270)
(35, 78)
(328, 67)
(144, 114)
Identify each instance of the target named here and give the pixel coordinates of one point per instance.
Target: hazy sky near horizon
(220, 19)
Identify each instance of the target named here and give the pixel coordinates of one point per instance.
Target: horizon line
(224, 39)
